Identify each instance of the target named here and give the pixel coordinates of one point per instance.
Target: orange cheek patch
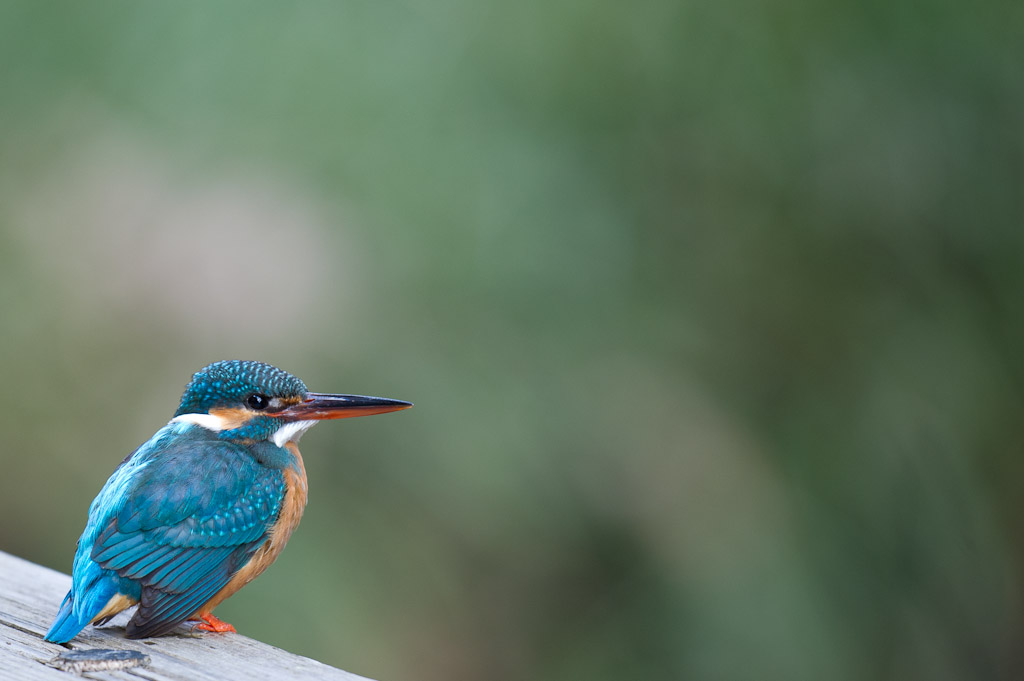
(232, 418)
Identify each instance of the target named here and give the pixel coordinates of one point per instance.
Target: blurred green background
(711, 312)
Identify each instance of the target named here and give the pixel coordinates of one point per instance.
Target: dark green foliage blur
(711, 312)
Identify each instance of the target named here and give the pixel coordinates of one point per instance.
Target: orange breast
(294, 503)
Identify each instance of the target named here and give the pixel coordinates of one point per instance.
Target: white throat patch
(291, 432)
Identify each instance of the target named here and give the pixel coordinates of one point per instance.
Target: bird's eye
(257, 401)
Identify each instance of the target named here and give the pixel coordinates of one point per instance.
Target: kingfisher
(204, 506)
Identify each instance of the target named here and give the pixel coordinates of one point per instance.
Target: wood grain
(30, 595)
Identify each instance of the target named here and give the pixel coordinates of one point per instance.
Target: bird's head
(246, 400)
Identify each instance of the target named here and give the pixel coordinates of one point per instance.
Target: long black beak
(322, 406)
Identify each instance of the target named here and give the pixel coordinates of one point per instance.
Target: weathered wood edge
(30, 595)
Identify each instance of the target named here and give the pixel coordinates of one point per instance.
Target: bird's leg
(211, 622)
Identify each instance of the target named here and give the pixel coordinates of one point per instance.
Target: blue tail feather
(65, 626)
(74, 615)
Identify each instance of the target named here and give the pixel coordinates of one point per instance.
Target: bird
(204, 506)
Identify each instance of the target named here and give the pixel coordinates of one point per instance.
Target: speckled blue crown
(231, 381)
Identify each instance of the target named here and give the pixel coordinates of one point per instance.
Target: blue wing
(190, 517)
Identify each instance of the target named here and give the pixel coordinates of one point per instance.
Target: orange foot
(213, 623)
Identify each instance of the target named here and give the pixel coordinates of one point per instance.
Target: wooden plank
(30, 595)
